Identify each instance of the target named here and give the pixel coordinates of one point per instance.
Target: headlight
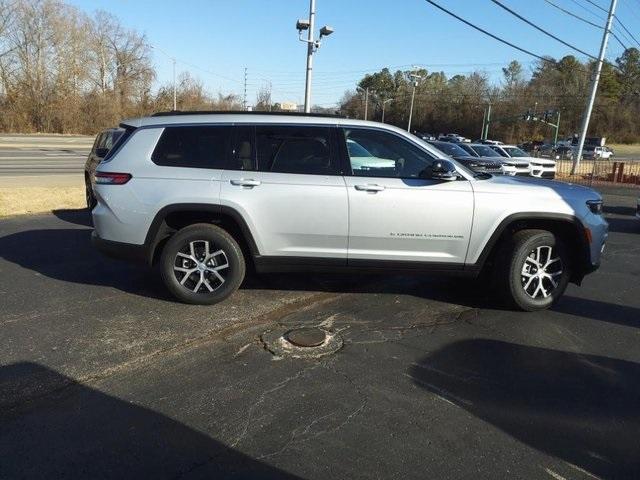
(595, 206)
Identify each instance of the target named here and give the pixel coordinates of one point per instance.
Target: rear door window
(295, 149)
(193, 147)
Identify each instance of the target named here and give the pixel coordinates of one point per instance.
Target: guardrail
(600, 172)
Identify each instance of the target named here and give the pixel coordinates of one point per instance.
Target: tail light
(111, 178)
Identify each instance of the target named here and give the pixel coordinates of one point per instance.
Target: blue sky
(216, 39)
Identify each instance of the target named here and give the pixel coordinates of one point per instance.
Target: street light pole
(312, 46)
(366, 102)
(415, 78)
(175, 95)
(310, 50)
(594, 87)
(384, 102)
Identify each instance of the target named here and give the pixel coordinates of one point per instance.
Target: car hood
(534, 186)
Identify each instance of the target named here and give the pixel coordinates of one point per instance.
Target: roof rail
(243, 112)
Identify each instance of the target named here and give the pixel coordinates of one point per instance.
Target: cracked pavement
(102, 375)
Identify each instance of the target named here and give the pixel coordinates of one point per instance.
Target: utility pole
(384, 102)
(594, 87)
(415, 78)
(484, 119)
(555, 138)
(175, 94)
(488, 122)
(244, 98)
(312, 46)
(366, 102)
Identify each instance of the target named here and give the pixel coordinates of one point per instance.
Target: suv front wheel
(537, 271)
(202, 264)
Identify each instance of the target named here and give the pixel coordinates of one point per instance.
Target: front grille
(522, 174)
(492, 166)
(548, 175)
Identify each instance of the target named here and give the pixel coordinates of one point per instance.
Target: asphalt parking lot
(102, 375)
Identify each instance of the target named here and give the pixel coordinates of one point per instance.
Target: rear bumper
(121, 251)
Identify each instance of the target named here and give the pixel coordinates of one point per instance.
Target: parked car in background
(594, 153)
(490, 142)
(510, 166)
(475, 163)
(101, 147)
(539, 167)
(531, 147)
(564, 152)
(638, 208)
(452, 137)
(425, 135)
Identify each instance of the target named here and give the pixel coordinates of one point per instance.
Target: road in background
(41, 157)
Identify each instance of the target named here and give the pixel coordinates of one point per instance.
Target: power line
(585, 21)
(495, 37)
(515, 14)
(586, 9)
(573, 14)
(626, 30)
(597, 6)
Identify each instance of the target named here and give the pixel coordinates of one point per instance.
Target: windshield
(515, 152)
(470, 151)
(451, 149)
(485, 151)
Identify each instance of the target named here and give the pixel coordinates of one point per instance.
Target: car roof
(182, 118)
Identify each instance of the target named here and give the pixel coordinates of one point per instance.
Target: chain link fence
(600, 172)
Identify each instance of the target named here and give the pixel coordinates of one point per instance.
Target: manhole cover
(306, 337)
(303, 342)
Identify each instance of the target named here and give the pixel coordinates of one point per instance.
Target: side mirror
(443, 170)
(101, 152)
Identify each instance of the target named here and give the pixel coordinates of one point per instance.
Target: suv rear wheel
(537, 270)
(202, 264)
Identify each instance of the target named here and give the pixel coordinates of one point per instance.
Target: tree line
(63, 71)
(459, 103)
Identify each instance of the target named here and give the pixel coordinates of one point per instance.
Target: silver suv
(205, 194)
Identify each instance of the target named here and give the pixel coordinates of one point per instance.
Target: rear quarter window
(192, 147)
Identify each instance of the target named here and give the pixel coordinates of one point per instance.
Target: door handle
(246, 182)
(370, 188)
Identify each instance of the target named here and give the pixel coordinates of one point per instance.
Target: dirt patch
(24, 200)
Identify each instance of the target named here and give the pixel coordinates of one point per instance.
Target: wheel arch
(172, 218)
(568, 227)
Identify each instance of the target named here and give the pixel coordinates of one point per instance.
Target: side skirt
(272, 264)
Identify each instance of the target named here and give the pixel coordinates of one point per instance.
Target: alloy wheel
(541, 272)
(200, 268)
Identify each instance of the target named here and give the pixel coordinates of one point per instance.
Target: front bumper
(543, 171)
(516, 171)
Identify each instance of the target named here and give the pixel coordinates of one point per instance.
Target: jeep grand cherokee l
(203, 195)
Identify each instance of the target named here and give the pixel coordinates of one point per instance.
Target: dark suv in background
(103, 144)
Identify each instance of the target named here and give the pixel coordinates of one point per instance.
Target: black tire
(523, 284)
(90, 198)
(176, 261)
